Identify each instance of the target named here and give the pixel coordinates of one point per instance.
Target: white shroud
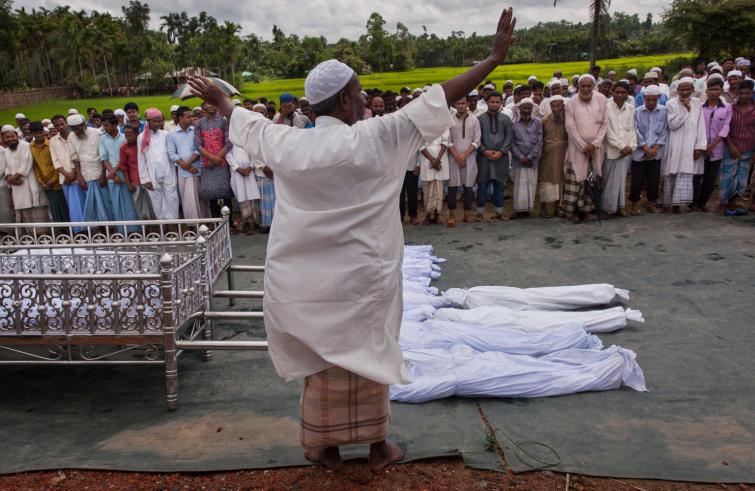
(547, 298)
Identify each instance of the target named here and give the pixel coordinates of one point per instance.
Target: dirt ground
(442, 474)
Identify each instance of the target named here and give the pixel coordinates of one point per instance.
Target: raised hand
(205, 89)
(504, 36)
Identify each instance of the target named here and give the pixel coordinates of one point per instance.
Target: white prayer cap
(362, 92)
(7, 129)
(72, 111)
(20, 116)
(508, 82)
(46, 121)
(526, 100)
(575, 76)
(712, 64)
(303, 99)
(75, 120)
(738, 59)
(489, 86)
(120, 112)
(652, 90)
(650, 75)
(198, 108)
(555, 98)
(744, 63)
(398, 98)
(714, 76)
(687, 80)
(425, 88)
(734, 73)
(416, 90)
(531, 78)
(717, 67)
(612, 72)
(50, 126)
(236, 102)
(259, 106)
(174, 108)
(656, 69)
(587, 75)
(474, 93)
(633, 71)
(564, 81)
(326, 80)
(553, 82)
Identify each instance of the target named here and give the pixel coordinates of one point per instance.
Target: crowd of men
(675, 137)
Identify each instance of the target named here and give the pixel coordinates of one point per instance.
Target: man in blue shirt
(651, 122)
(650, 80)
(183, 153)
(117, 180)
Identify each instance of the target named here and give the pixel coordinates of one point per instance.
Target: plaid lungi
(677, 189)
(525, 185)
(267, 201)
(432, 194)
(734, 175)
(575, 197)
(341, 408)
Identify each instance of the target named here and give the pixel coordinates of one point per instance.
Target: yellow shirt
(44, 171)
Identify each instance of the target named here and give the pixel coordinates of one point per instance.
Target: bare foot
(330, 457)
(383, 454)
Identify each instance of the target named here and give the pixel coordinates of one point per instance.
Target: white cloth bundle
(413, 298)
(548, 298)
(594, 321)
(443, 334)
(462, 371)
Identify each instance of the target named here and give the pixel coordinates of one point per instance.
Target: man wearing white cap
(525, 152)
(551, 165)
(730, 87)
(687, 141)
(6, 209)
(555, 89)
(333, 299)
(60, 152)
(586, 125)
(84, 143)
(474, 108)
(651, 78)
(29, 199)
(171, 125)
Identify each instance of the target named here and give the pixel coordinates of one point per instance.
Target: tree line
(106, 54)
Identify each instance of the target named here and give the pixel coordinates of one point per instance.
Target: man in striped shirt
(740, 152)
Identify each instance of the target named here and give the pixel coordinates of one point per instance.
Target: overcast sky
(347, 18)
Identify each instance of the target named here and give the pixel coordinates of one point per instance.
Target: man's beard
(558, 117)
(13, 146)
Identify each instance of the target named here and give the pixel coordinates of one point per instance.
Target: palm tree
(598, 12)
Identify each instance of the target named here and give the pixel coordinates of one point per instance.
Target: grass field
(388, 80)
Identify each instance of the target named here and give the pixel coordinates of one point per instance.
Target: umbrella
(184, 91)
(594, 189)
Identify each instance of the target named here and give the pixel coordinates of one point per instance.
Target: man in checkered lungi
(333, 295)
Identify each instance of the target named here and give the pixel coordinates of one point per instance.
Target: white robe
(334, 255)
(155, 167)
(427, 173)
(686, 134)
(244, 187)
(29, 193)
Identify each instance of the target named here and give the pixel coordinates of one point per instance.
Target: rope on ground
(521, 452)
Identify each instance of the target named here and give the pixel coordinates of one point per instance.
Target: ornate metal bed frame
(138, 292)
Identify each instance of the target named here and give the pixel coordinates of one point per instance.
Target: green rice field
(388, 80)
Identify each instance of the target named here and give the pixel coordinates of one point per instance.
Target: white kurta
(29, 193)
(686, 134)
(155, 167)
(333, 264)
(244, 187)
(427, 173)
(87, 151)
(60, 152)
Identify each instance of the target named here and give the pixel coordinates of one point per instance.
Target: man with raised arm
(333, 301)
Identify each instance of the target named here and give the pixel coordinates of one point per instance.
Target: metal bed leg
(204, 283)
(169, 332)
(231, 286)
